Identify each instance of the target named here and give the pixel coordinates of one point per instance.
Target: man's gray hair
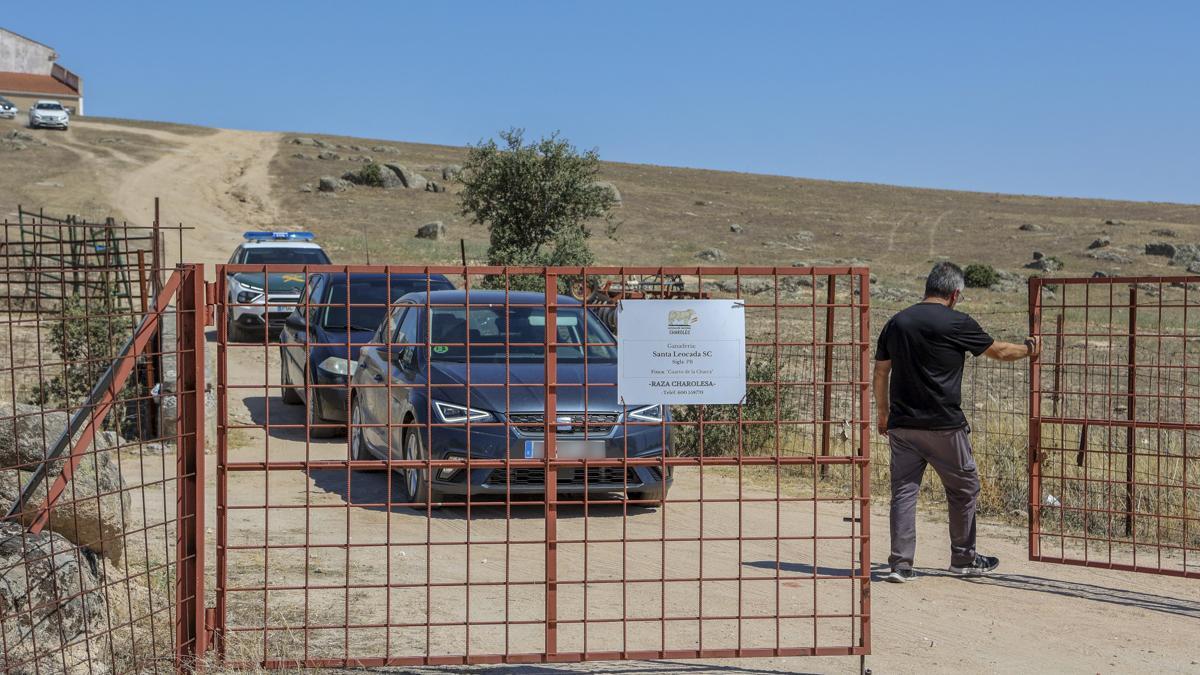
(944, 279)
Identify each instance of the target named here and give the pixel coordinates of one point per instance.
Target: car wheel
(358, 444)
(234, 332)
(289, 394)
(329, 430)
(648, 498)
(416, 487)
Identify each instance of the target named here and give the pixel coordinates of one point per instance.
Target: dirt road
(219, 184)
(1030, 617)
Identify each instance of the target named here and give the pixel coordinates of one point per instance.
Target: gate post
(549, 455)
(1131, 413)
(190, 634)
(1035, 421)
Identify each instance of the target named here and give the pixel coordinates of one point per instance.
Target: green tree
(536, 199)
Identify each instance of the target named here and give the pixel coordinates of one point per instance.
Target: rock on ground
(711, 254)
(748, 286)
(1100, 242)
(85, 519)
(1030, 227)
(411, 179)
(434, 186)
(51, 596)
(435, 230)
(332, 184)
(1161, 248)
(451, 172)
(1109, 255)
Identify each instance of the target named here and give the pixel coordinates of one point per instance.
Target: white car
(259, 302)
(48, 114)
(8, 109)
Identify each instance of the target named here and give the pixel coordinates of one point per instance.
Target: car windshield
(280, 255)
(369, 300)
(49, 106)
(486, 329)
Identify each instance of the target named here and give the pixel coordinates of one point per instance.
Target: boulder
(435, 230)
(794, 283)
(329, 155)
(612, 189)
(1161, 248)
(1100, 243)
(451, 172)
(434, 186)
(307, 187)
(1038, 255)
(300, 155)
(1109, 255)
(94, 508)
(52, 599)
(1194, 268)
(1165, 232)
(735, 228)
(1008, 282)
(411, 179)
(748, 286)
(1185, 254)
(18, 135)
(1045, 264)
(711, 254)
(304, 140)
(332, 184)
(1030, 227)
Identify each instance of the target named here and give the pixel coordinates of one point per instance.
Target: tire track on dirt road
(218, 184)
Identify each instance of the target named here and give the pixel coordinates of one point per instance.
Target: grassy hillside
(669, 214)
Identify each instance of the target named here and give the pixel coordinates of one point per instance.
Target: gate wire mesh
(1115, 425)
(90, 553)
(493, 502)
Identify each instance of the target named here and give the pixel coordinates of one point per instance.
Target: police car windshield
(49, 106)
(280, 255)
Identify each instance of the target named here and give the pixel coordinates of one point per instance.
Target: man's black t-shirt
(926, 344)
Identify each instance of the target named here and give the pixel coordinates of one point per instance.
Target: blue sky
(1096, 99)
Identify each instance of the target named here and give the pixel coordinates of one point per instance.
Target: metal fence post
(189, 544)
(551, 489)
(827, 378)
(1131, 405)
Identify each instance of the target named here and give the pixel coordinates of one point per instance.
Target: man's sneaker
(981, 565)
(900, 576)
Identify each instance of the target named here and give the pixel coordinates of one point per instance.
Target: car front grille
(595, 476)
(594, 424)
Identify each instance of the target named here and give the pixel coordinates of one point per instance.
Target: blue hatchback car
(320, 340)
(413, 393)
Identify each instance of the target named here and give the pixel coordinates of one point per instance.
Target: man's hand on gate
(1034, 345)
(881, 426)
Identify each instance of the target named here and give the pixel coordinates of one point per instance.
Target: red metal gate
(1114, 425)
(390, 517)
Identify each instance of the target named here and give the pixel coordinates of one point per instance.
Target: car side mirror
(406, 358)
(297, 320)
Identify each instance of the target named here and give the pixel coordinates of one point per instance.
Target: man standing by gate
(918, 402)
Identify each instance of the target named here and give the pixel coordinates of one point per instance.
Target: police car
(256, 303)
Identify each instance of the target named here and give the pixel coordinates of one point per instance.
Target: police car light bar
(278, 236)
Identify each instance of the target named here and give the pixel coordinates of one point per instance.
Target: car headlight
(457, 414)
(650, 413)
(248, 296)
(338, 366)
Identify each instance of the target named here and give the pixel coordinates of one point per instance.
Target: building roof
(27, 39)
(24, 83)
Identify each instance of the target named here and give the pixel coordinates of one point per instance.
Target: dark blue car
(319, 346)
(410, 399)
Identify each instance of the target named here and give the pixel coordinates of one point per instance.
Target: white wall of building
(21, 55)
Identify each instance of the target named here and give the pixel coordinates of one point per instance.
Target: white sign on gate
(681, 351)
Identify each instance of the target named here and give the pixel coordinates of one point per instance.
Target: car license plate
(566, 449)
(281, 308)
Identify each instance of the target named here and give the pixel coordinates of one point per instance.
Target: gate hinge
(210, 626)
(210, 303)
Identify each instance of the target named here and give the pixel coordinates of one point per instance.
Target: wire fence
(91, 458)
